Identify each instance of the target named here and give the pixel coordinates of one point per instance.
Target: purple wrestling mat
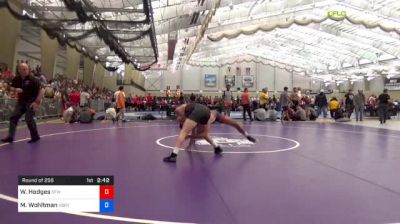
(295, 173)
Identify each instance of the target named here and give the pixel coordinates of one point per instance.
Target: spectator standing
(136, 102)
(149, 100)
(245, 101)
(30, 95)
(227, 100)
(371, 105)
(84, 100)
(294, 97)
(284, 101)
(359, 105)
(322, 103)
(74, 98)
(120, 103)
(383, 106)
(349, 103)
(263, 98)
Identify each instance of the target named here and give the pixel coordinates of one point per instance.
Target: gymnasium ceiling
(332, 40)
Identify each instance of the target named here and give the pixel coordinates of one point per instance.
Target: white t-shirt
(116, 94)
(227, 96)
(111, 113)
(84, 99)
(70, 109)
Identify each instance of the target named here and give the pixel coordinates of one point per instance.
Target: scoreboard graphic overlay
(66, 194)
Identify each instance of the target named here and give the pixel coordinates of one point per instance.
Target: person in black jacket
(383, 106)
(322, 103)
(349, 103)
(30, 94)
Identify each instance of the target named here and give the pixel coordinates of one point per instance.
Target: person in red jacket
(149, 100)
(135, 102)
(74, 98)
(163, 104)
(142, 104)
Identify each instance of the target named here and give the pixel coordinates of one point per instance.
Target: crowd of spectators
(303, 106)
(60, 93)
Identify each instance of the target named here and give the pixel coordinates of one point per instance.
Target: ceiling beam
(64, 9)
(264, 17)
(113, 31)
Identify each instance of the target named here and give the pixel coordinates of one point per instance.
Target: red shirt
(162, 103)
(149, 99)
(135, 100)
(245, 98)
(7, 75)
(75, 98)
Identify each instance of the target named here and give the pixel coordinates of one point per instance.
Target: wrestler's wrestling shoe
(171, 158)
(218, 150)
(250, 138)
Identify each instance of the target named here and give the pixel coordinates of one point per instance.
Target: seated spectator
(300, 114)
(260, 114)
(86, 115)
(70, 115)
(334, 106)
(272, 114)
(311, 113)
(291, 114)
(341, 116)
